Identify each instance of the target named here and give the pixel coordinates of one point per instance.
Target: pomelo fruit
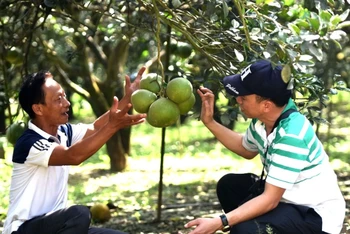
(100, 213)
(141, 100)
(183, 49)
(187, 105)
(14, 56)
(15, 131)
(179, 90)
(162, 113)
(151, 82)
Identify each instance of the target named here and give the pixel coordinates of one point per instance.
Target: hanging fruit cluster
(163, 103)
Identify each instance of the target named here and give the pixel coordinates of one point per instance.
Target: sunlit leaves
(288, 2)
(239, 56)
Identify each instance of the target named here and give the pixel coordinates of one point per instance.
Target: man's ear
(37, 108)
(267, 106)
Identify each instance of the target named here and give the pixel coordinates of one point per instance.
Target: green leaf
(235, 23)
(315, 23)
(225, 8)
(337, 43)
(317, 52)
(294, 40)
(239, 56)
(338, 35)
(325, 16)
(333, 91)
(302, 23)
(344, 15)
(294, 28)
(310, 37)
(305, 57)
(343, 25)
(335, 20)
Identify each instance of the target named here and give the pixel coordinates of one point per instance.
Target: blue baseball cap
(260, 78)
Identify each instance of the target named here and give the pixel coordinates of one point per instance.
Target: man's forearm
(230, 139)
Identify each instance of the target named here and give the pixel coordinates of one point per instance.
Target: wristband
(224, 223)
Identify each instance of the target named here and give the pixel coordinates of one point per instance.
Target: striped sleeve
(40, 152)
(249, 142)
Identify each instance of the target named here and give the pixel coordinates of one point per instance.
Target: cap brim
(234, 86)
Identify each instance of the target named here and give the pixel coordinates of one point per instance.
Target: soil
(172, 217)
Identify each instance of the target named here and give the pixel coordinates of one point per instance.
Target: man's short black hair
(32, 92)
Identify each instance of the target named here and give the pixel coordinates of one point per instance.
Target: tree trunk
(118, 147)
(2, 120)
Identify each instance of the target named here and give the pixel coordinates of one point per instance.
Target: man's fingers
(127, 81)
(192, 223)
(125, 110)
(139, 118)
(139, 74)
(115, 104)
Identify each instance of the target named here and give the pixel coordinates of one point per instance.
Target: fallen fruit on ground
(151, 82)
(187, 105)
(100, 213)
(15, 130)
(141, 100)
(162, 113)
(179, 89)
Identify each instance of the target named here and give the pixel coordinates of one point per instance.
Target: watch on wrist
(224, 223)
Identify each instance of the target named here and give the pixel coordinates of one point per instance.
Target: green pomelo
(187, 105)
(163, 113)
(183, 50)
(14, 57)
(141, 100)
(151, 82)
(179, 90)
(15, 131)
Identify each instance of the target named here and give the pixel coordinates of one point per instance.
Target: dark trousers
(73, 220)
(286, 218)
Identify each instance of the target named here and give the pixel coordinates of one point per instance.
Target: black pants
(73, 220)
(284, 219)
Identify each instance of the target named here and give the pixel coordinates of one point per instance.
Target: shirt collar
(42, 133)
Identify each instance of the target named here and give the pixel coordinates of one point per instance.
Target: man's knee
(223, 182)
(80, 213)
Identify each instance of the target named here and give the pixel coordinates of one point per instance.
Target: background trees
(90, 45)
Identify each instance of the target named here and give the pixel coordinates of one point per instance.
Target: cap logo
(233, 89)
(246, 71)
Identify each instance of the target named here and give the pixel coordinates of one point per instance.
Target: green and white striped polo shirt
(297, 162)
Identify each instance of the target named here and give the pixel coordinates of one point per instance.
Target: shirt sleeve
(79, 131)
(40, 152)
(248, 141)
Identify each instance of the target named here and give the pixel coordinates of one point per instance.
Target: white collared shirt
(37, 188)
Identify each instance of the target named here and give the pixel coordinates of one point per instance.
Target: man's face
(56, 104)
(250, 106)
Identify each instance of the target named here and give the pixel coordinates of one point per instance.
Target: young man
(301, 194)
(39, 185)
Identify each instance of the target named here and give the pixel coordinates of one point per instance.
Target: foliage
(230, 34)
(90, 45)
